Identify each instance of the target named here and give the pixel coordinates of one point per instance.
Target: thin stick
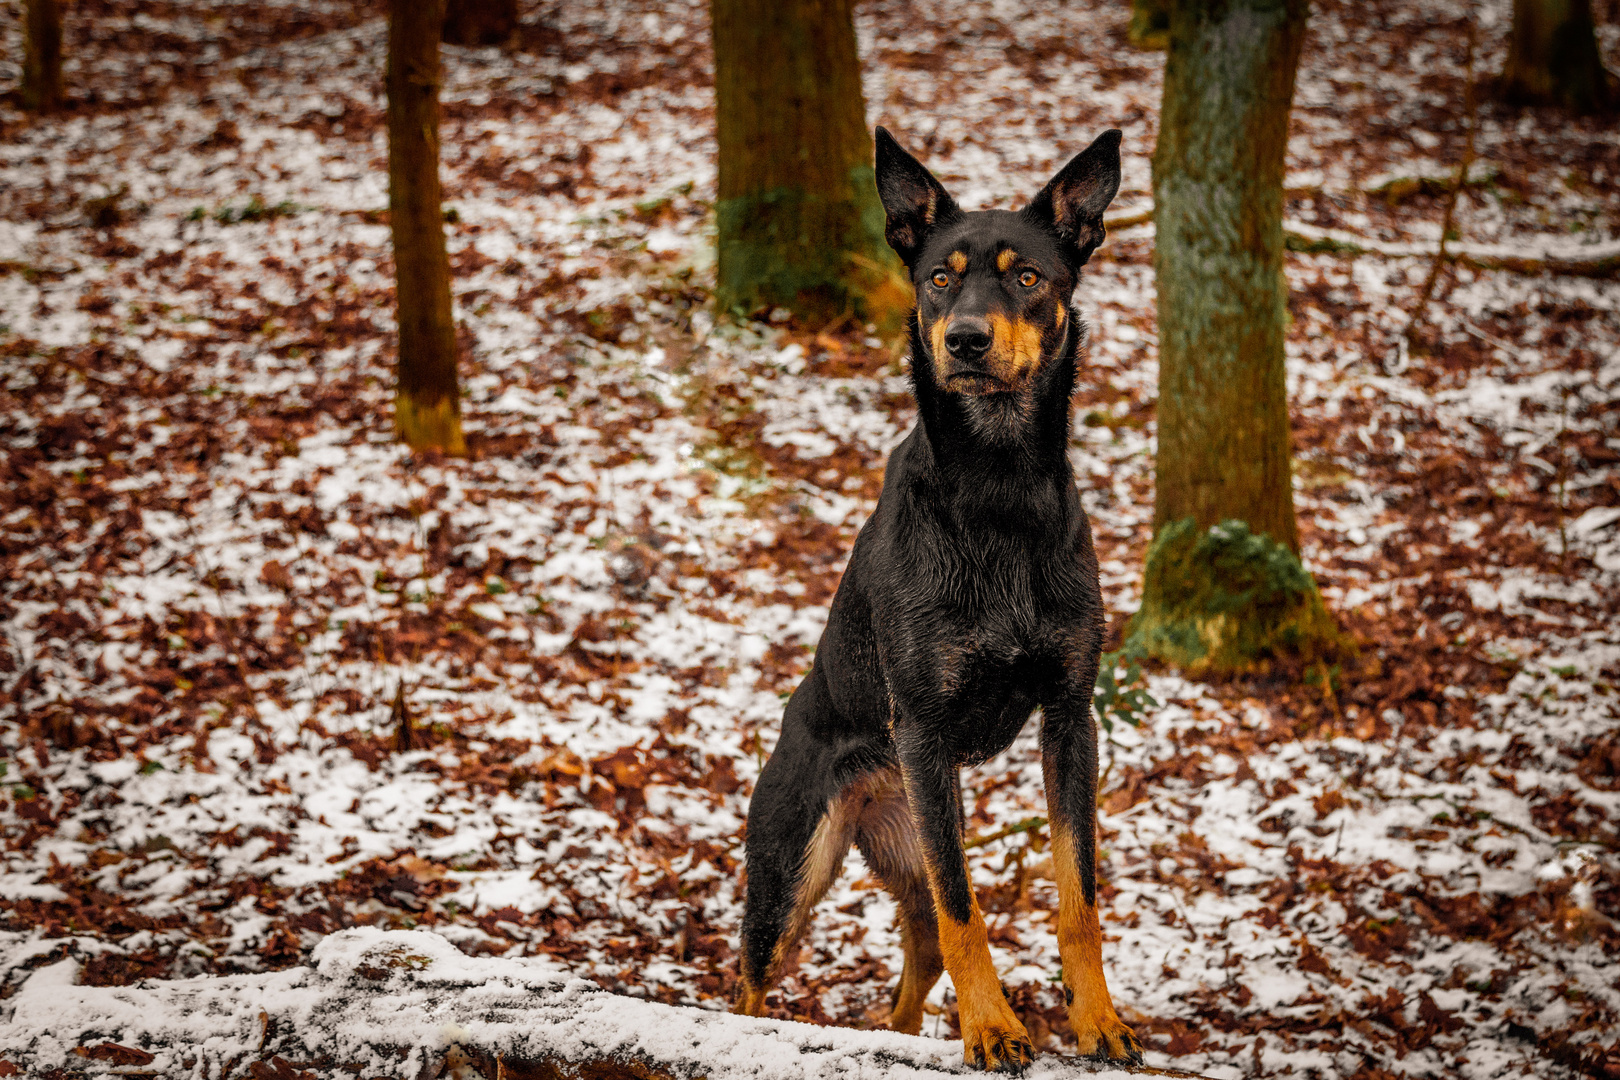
(1460, 181)
(1027, 825)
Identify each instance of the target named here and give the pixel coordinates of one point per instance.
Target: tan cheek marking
(1004, 261)
(1015, 350)
(1026, 347)
(936, 337)
(1062, 317)
(957, 262)
(1001, 352)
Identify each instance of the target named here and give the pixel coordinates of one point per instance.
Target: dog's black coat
(971, 596)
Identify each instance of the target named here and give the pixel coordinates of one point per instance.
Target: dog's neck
(987, 448)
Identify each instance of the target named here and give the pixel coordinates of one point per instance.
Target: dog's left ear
(1072, 204)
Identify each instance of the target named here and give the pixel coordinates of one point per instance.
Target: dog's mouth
(975, 384)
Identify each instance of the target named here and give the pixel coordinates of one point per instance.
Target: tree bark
(42, 56)
(427, 408)
(1553, 58)
(1223, 453)
(480, 22)
(799, 221)
(1218, 197)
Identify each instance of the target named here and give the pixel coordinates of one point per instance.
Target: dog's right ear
(913, 200)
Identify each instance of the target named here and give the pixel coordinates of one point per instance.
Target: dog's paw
(1001, 1045)
(1103, 1035)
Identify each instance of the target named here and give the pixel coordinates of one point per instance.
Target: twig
(1563, 485)
(1457, 185)
(1027, 825)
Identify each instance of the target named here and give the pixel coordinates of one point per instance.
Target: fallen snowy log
(409, 1004)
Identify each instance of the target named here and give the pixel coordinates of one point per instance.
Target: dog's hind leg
(888, 839)
(800, 826)
(1069, 766)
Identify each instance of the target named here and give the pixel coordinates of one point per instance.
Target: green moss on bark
(817, 251)
(1225, 600)
(1150, 24)
(798, 217)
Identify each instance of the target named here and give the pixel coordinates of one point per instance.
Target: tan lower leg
(1097, 1027)
(917, 978)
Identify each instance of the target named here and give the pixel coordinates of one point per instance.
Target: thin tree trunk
(427, 409)
(42, 56)
(1553, 58)
(799, 221)
(480, 22)
(1223, 452)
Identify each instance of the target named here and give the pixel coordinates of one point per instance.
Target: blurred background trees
(1553, 58)
(1224, 588)
(799, 221)
(427, 407)
(480, 22)
(42, 56)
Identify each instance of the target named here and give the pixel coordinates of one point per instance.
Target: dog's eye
(1029, 279)
(941, 279)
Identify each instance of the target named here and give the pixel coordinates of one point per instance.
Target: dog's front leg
(1069, 766)
(992, 1036)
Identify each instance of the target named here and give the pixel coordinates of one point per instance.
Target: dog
(971, 597)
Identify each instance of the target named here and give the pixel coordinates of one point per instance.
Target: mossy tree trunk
(800, 225)
(427, 407)
(1225, 598)
(1553, 58)
(480, 22)
(42, 56)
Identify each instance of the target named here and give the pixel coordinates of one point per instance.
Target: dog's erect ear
(913, 200)
(1072, 204)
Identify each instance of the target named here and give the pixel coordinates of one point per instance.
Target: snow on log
(409, 1004)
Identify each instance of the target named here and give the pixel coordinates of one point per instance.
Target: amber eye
(941, 279)
(1028, 279)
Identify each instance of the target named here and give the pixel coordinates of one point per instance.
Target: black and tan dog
(971, 598)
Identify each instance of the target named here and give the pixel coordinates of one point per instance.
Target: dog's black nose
(967, 339)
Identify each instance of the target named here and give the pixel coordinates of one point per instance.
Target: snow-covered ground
(221, 581)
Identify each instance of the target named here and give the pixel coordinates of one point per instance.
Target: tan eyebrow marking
(958, 262)
(1004, 261)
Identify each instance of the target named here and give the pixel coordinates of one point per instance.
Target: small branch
(1027, 825)
(1457, 184)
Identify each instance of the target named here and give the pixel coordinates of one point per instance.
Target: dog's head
(993, 286)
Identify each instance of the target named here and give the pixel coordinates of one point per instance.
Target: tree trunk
(480, 22)
(1553, 58)
(42, 56)
(427, 409)
(800, 225)
(1223, 452)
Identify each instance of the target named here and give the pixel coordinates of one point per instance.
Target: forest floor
(266, 675)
